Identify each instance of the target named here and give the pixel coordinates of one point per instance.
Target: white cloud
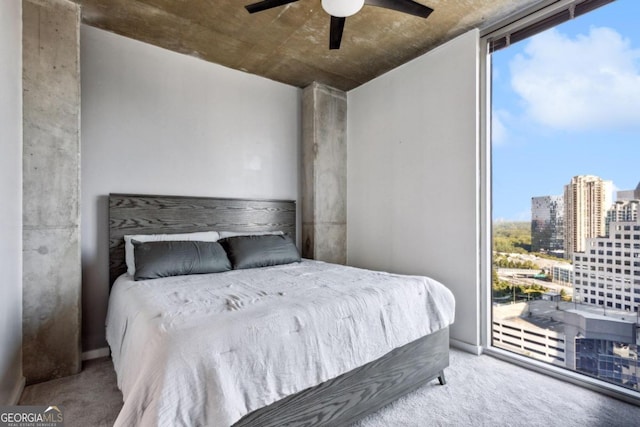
(615, 188)
(590, 82)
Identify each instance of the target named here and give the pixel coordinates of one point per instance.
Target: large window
(565, 167)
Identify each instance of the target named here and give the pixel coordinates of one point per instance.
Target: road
(543, 263)
(557, 287)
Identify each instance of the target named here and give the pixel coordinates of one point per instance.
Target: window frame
(541, 12)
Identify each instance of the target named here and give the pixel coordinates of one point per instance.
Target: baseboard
(17, 392)
(96, 354)
(469, 348)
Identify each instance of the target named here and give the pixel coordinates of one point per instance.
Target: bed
(242, 347)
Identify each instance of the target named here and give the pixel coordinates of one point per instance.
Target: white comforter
(205, 350)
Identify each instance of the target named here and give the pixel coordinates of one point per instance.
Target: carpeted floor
(480, 391)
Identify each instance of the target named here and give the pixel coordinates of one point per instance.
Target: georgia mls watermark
(31, 416)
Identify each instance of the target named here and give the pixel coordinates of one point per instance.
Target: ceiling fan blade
(266, 4)
(406, 6)
(335, 37)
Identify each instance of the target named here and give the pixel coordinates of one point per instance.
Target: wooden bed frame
(336, 402)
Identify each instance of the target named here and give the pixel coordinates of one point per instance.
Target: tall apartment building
(586, 200)
(547, 224)
(623, 211)
(626, 206)
(607, 273)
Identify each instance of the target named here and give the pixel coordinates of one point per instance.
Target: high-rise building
(628, 194)
(547, 224)
(625, 208)
(623, 211)
(607, 273)
(586, 200)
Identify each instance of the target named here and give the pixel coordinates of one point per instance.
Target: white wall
(412, 174)
(11, 197)
(157, 122)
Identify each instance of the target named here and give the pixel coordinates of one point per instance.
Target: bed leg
(441, 378)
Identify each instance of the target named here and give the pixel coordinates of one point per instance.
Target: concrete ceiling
(290, 43)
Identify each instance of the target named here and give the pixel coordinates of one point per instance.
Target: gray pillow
(260, 251)
(177, 258)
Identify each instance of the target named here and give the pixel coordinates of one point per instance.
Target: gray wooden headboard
(149, 214)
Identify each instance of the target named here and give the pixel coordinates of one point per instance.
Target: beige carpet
(480, 391)
(90, 398)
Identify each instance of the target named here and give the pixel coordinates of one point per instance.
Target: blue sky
(566, 102)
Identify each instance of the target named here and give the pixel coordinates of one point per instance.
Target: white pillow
(225, 234)
(201, 236)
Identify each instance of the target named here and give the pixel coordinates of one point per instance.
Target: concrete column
(51, 188)
(324, 178)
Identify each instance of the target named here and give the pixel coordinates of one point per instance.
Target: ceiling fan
(341, 9)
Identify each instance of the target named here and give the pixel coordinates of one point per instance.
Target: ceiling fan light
(342, 8)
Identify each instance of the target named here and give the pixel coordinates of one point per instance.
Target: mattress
(208, 349)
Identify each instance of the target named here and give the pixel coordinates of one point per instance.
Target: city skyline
(565, 103)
